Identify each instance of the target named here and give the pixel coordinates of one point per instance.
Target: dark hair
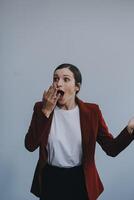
(76, 72)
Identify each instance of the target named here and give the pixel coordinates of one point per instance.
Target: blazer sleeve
(37, 130)
(112, 146)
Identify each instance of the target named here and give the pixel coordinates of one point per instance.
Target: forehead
(64, 72)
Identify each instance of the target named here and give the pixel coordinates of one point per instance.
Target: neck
(67, 106)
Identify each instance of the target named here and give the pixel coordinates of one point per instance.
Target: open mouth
(60, 92)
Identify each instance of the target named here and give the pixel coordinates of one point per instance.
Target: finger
(50, 89)
(55, 92)
(55, 96)
(49, 92)
(58, 96)
(52, 92)
(55, 99)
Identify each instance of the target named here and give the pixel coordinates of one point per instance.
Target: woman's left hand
(130, 126)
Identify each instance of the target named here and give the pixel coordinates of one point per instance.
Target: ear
(77, 87)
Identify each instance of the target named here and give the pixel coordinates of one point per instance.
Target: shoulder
(91, 105)
(38, 105)
(88, 105)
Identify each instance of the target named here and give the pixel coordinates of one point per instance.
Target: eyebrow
(63, 75)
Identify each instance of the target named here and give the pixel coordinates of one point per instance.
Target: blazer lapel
(86, 129)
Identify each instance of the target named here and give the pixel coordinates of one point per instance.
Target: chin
(61, 103)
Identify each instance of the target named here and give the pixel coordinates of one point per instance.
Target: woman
(66, 130)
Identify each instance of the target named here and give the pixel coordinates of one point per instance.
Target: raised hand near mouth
(130, 126)
(50, 98)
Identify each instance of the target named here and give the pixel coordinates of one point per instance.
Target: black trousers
(63, 183)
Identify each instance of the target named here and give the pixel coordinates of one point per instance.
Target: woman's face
(64, 80)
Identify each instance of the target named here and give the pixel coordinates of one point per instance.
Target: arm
(112, 146)
(41, 119)
(38, 128)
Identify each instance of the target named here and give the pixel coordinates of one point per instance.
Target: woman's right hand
(50, 99)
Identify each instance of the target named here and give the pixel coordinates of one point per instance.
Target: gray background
(35, 37)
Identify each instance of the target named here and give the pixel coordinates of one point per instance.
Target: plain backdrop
(35, 37)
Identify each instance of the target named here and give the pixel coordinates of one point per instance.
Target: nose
(59, 83)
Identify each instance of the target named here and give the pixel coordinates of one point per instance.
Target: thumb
(44, 95)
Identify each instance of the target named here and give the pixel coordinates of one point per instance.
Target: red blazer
(93, 128)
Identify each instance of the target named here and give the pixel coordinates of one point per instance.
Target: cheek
(71, 90)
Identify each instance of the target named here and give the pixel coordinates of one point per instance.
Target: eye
(66, 79)
(55, 79)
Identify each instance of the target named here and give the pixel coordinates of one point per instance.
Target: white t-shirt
(64, 142)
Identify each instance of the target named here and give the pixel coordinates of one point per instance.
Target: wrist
(46, 112)
(130, 130)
